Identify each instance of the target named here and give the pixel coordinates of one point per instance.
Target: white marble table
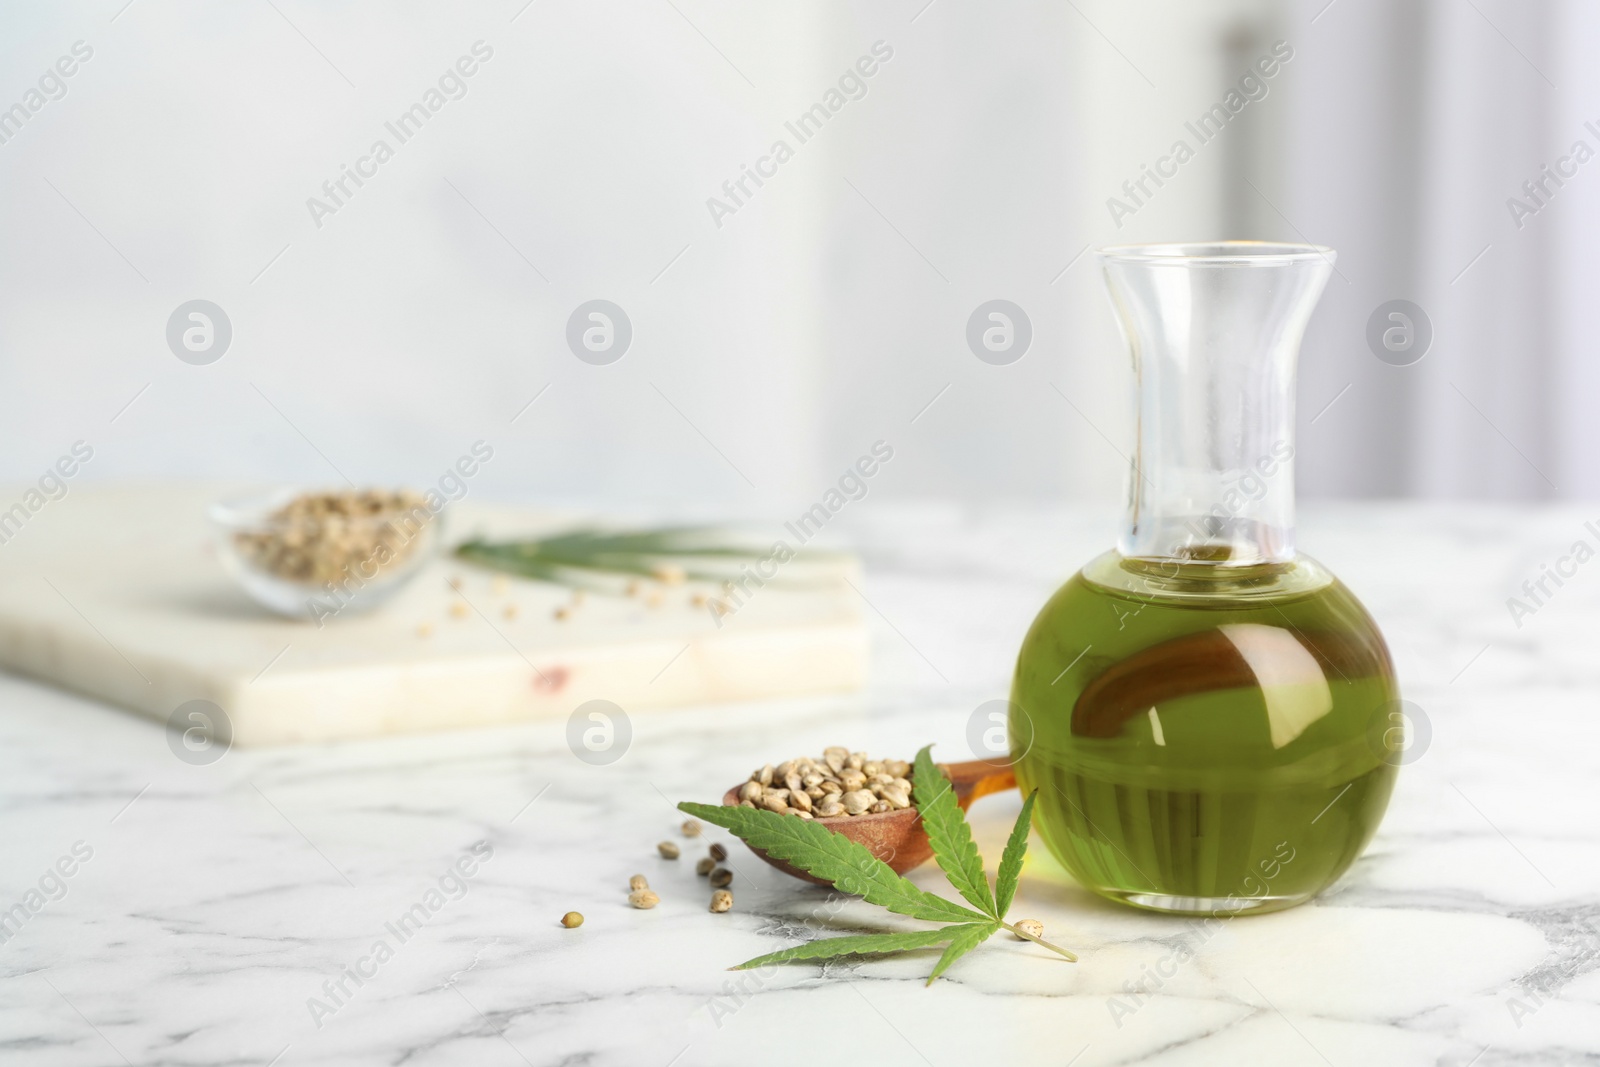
(215, 901)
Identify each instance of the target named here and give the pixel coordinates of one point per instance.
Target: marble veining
(211, 909)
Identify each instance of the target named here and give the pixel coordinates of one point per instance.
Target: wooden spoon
(896, 837)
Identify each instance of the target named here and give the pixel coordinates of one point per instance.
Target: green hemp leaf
(851, 868)
(589, 558)
(949, 833)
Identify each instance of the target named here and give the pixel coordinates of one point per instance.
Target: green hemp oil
(1205, 744)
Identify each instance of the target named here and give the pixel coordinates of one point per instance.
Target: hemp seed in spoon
(839, 784)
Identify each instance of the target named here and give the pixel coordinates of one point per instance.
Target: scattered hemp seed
(562, 614)
(509, 611)
(699, 600)
(424, 629)
(720, 877)
(633, 587)
(691, 828)
(719, 852)
(1028, 926)
(499, 584)
(669, 574)
(721, 900)
(577, 597)
(454, 581)
(703, 868)
(459, 610)
(638, 882)
(572, 919)
(643, 898)
(668, 850)
(655, 600)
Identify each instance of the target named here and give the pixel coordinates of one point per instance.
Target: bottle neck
(1214, 348)
(1213, 466)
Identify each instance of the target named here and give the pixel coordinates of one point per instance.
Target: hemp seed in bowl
(320, 554)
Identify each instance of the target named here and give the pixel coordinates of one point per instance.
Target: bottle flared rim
(1218, 253)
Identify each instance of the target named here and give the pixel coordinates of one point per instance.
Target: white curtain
(1413, 126)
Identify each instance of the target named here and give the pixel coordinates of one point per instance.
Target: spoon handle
(979, 778)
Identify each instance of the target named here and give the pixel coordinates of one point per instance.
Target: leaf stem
(1041, 941)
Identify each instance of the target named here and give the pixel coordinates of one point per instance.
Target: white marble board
(120, 594)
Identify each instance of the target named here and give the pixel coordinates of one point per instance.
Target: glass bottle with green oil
(1207, 718)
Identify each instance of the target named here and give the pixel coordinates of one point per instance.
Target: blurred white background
(829, 311)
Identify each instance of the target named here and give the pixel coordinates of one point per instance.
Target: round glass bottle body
(1204, 743)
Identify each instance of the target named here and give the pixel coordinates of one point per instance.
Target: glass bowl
(316, 555)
